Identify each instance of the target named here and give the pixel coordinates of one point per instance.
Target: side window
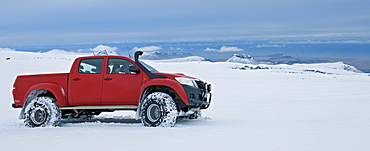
(91, 66)
(119, 66)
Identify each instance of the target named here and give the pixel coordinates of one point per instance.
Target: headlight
(186, 81)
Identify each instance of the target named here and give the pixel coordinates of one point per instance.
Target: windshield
(150, 68)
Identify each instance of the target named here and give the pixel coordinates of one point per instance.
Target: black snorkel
(150, 74)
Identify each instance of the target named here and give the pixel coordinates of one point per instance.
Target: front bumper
(199, 97)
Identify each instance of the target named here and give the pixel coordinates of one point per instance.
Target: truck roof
(105, 56)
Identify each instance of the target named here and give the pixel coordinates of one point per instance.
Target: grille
(201, 84)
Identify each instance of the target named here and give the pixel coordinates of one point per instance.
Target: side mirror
(134, 69)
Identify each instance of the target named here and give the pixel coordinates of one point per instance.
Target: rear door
(120, 86)
(86, 84)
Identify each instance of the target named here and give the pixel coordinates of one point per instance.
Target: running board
(101, 107)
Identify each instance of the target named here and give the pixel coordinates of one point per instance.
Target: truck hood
(173, 75)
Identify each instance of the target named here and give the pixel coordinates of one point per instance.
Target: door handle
(76, 79)
(108, 79)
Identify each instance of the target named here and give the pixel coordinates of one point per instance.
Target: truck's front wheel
(42, 112)
(158, 109)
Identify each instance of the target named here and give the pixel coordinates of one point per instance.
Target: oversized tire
(42, 112)
(158, 109)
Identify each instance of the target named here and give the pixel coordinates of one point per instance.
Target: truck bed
(25, 83)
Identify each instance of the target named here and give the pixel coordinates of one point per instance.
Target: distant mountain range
(361, 64)
(242, 58)
(262, 51)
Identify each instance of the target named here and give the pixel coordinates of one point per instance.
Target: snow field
(250, 110)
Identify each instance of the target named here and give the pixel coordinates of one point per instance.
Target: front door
(120, 86)
(86, 83)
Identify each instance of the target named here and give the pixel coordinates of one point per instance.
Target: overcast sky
(35, 22)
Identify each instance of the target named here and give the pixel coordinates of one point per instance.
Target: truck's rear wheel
(158, 109)
(42, 112)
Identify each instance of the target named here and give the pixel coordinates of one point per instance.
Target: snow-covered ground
(280, 108)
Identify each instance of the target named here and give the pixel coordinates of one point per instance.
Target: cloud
(99, 48)
(324, 42)
(269, 46)
(210, 49)
(147, 49)
(104, 47)
(178, 49)
(224, 49)
(224, 20)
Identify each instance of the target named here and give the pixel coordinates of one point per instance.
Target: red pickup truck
(98, 84)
